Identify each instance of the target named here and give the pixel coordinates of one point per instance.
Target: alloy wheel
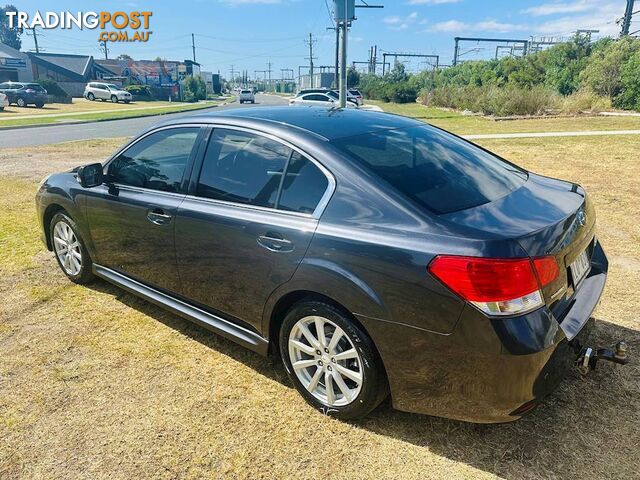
(67, 248)
(325, 361)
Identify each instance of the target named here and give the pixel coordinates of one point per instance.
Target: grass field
(95, 383)
(468, 125)
(85, 110)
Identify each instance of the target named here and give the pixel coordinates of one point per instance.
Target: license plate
(579, 268)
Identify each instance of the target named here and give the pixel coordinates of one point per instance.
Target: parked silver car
(106, 91)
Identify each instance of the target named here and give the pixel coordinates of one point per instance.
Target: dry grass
(95, 383)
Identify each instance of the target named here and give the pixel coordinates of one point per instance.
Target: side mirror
(91, 175)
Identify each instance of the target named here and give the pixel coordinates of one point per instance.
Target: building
(15, 66)
(212, 81)
(320, 80)
(72, 72)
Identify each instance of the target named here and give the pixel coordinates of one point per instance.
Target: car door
(132, 216)
(246, 224)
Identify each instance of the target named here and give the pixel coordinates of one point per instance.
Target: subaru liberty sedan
(375, 254)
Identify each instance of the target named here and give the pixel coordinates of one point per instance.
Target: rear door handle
(158, 216)
(275, 242)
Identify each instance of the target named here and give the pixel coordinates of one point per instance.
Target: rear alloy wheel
(332, 363)
(71, 254)
(91, 97)
(21, 103)
(114, 99)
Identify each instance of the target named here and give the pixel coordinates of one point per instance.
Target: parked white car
(106, 91)
(247, 96)
(318, 100)
(355, 96)
(4, 101)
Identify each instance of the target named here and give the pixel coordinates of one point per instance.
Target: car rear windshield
(435, 169)
(246, 91)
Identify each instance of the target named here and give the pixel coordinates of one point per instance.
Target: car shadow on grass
(588, 428)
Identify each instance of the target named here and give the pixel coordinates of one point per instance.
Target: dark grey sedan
(375, 254)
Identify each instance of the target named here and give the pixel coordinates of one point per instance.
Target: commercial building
(15, 66)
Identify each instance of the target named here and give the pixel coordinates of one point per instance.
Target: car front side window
(243, 168)
(156, 162)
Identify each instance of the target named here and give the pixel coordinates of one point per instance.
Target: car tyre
(91, 97)
(69, 249)
(39, 105)
(351, 365)
(114, 99)
(127, 102)
(21, 103)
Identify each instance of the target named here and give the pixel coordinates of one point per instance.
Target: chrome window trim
(131, 188)
(317, 213)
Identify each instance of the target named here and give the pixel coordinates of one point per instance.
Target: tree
(193, 89)
(398, 73)
(564, 64)
(353, 77)
(603, 74)
(124, 56)
(8, 36)
(630, 79)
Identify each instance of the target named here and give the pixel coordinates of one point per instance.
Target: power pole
(193, 47)
(626, 20)
(233, 75)
(103, 47)
(311, 58)
(344, 27)
(35, 38)
(269, 64)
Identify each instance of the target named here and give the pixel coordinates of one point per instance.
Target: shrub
(52, 88)
(139, 90)
(493, 100)
(585, 100)
(193, 89)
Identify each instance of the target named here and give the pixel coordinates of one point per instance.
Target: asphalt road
(26, 137)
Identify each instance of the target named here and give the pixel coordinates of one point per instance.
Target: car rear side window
(437, 170)
(303, 187)
(157, 162)
(243, 167)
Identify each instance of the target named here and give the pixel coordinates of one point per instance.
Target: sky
(247, 34)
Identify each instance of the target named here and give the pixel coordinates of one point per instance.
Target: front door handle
(158, 216)
(275, 242)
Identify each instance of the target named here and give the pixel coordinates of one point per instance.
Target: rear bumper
(487, 371)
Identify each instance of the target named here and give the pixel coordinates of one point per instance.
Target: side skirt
(216, 324)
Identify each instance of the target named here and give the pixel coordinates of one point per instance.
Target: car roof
(329, 123)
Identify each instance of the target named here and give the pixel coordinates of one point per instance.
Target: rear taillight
(497, 286)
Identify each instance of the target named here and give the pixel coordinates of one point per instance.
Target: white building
(15, 66)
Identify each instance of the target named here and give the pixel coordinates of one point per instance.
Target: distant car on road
(23, 94)
(106, 91)
(247, 96)
(319, 100)
(3, 101)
